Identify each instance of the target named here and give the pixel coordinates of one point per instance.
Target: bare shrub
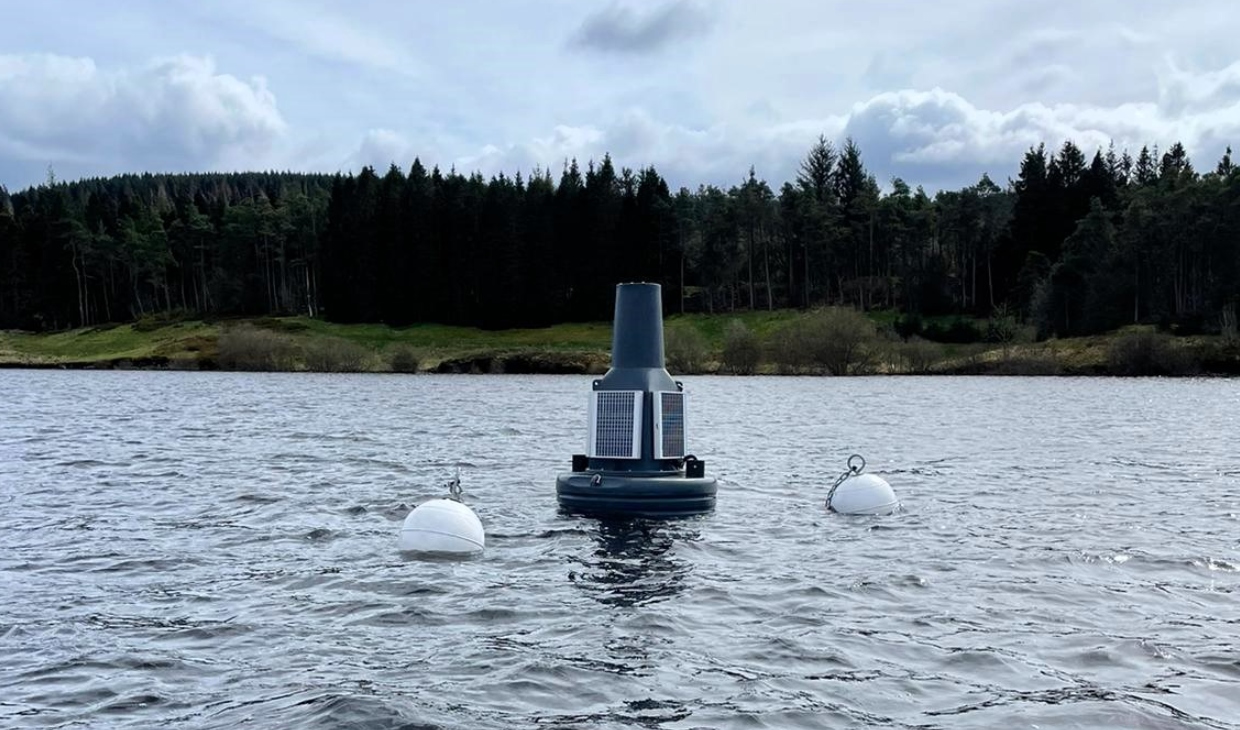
(403, 359)
(336, 355)
(246, 347)
(742, 350)
(842, 341)
(1148, 353)
(919, 356)
(787, 350)
(835, 340)
(684, 349)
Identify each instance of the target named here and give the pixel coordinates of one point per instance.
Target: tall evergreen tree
(1225, 166)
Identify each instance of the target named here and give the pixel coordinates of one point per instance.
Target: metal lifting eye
(454, 486)
(596, 480)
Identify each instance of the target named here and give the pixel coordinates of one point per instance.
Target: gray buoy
(636, 461)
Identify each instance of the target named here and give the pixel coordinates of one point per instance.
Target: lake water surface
(217, 550)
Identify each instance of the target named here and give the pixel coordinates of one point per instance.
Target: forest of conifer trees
(1073, 245)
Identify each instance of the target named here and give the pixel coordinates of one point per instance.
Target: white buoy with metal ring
(442, 526)
(855, 493)
(864, 494)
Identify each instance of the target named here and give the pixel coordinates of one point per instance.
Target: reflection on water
(633, 562)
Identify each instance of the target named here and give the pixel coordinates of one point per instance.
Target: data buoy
(855, 493)
(637, 461)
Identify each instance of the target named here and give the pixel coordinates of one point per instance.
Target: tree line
(1073, 244)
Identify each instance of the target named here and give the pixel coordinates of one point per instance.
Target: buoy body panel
(657, 494)
(864, 494)
(442, 526)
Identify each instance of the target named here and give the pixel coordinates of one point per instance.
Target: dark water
(219, 550)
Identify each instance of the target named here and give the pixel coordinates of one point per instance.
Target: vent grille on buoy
(669, 420)
(615, 424)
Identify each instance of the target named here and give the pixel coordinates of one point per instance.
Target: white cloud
(381, 148)
(1182, 92)
(172, 112)
(936, 137)
(915, 130)
(940, 139)
(685, 155)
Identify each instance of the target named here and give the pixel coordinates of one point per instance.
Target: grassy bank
(300, 343)
(835, 342)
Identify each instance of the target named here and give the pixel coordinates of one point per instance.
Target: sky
(936, 93)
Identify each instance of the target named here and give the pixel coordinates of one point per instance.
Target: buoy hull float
(442, 526)
(640, 495)
(864, 494)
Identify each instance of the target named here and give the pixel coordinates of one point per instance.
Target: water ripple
(213, 550)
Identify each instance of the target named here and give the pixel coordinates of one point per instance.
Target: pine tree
(1225, 166)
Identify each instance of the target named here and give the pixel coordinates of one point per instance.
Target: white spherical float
(443, 526)
(855, 493)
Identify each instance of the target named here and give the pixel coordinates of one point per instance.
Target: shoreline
(298, 344)
(501, 366)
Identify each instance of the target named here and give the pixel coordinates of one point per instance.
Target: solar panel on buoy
(669, 423)
(615, 424)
